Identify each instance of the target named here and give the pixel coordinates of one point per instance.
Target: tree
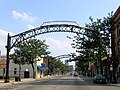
(56, 65)
(94, 44)
(18, 57)
(30, 50)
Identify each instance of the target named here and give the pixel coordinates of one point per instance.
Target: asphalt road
(61, 83)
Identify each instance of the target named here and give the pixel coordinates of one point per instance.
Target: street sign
(2, 64)
(43, 64)
(41, 67)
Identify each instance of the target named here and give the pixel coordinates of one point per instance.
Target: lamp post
(111, 70)
(20, 65)
(48, 67)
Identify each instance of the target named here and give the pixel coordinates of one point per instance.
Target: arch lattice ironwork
(47, 27)
(63, 56)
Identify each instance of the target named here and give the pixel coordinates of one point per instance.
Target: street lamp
(111, 67)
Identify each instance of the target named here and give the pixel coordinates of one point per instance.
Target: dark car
(70, 74)
(75, 74)
(99, 79)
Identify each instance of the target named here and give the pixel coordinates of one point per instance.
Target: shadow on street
(82, 81)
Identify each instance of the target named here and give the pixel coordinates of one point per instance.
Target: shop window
(119, 46)
(118, 29)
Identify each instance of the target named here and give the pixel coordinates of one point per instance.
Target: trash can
(17, 78)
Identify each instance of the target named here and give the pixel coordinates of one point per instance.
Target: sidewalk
(22, 81)
(15, 82)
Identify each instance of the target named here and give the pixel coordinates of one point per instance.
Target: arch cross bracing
(47, 27)
(63, 56)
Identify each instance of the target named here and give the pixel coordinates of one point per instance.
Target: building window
(118, 29)
(119, 46)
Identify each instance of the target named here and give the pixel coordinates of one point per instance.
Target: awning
(41, 68)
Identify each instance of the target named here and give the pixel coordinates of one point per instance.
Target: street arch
(46, 27)
(71, 55)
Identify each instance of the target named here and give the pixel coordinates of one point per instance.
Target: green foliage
(35, 48)
(94, 44)
(55, 65)
(28, 51)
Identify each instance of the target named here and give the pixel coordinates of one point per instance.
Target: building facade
(26, 70)
(116, 18)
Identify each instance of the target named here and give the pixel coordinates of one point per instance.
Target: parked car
(75, 74)
(99, 79)
(70, 74)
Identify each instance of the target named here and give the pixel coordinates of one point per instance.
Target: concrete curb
(24, 80)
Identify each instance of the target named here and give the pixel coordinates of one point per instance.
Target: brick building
(116, 18)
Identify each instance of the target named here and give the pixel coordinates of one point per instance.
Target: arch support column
(7, 59)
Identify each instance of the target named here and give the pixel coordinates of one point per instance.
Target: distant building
(66, 62)
(71, 68)
(92, 69)
(106, 67)
(0, 55)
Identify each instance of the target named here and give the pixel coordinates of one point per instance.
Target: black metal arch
(46, 27)
(64, 56)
